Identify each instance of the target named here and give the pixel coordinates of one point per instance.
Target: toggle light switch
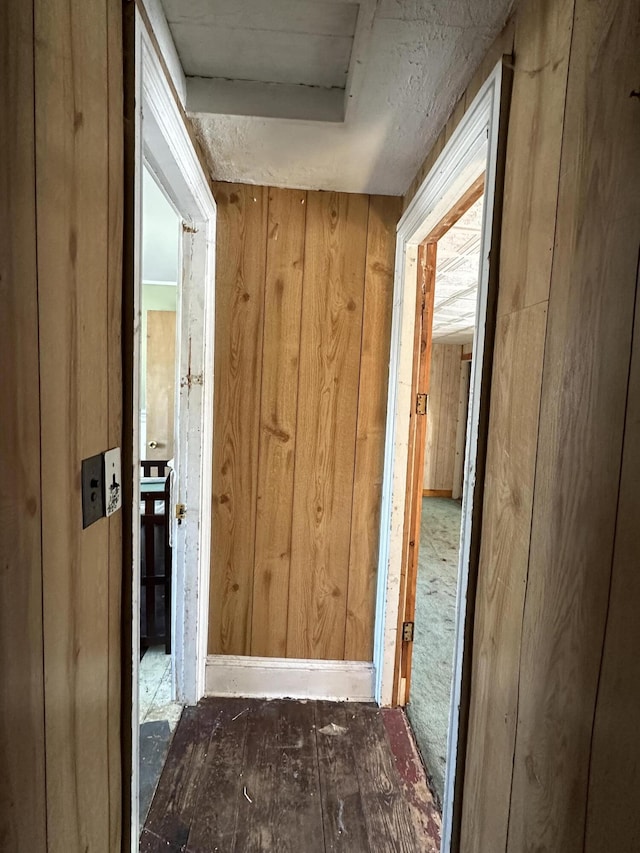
(112, 481)
(92, 489)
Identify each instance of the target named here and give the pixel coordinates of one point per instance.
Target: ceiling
(339, 95)
(457, 269)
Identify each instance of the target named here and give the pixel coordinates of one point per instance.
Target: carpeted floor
(432, 668)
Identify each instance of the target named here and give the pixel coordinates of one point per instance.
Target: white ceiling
(336, 95)
(457, 269)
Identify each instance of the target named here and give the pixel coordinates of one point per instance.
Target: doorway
(172, 425)
(161, 292)
(476, 148)
(434, 548)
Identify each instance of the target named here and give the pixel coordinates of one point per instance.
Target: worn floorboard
(254, 775)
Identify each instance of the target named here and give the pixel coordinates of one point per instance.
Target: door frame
(162, 141)
(476, 146)
(418, 426)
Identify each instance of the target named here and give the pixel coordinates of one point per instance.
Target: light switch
(92, 490)
(112, 481)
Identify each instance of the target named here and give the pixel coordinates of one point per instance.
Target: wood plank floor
(251, 775)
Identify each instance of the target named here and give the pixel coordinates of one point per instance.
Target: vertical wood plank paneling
(332, 306)
(241, 251)
(160, 387)
(448, 415)
(317, 360)
(581, 430)
(370, 433)
(278, 418)
(115, 395)
(614, 773)
(542, 40)
(504, 554)
(443, 415)
(73, 238)
(22, 779)
(461, 428)
(433, 420)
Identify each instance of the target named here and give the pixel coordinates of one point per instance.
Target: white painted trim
(170, 153)
(167, 46)
(471, 150)
(219, 96)
(163, 142)
(295, 678)
(358, 64)
(135, 472)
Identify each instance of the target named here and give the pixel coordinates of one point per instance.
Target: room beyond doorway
(434, 642)
(453, 319)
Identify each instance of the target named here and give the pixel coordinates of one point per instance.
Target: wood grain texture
(278, 420)
(241, 242)
(384, 212)
(115, 394)
(581, 432)
(160, 383)
(461, 426)
(282, 809)
(542, 40)
(310, 434)
(502, 577)
(220, 784)
(614, 773)
(442, 422)
(419, 427)
(332, 307)
(431, 441)
(72, 168)
(417, 436)
(448, 415)
(426, 816)
(169, 821)
(342, 810)
(466, 200)
(389, 822)
(271, 776)
(22, 780)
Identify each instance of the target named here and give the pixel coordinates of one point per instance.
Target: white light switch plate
(112, 481)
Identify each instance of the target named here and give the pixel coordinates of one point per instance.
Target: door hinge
(421, 404)
(407, 632)
(181, 511)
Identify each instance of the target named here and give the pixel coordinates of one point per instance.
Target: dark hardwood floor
(291, 777)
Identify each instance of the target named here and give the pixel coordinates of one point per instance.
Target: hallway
(252, 775)
(435, 623)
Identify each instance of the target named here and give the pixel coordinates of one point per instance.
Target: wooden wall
(60, 285)
(442, 418)
(303, 313)
(553, 758)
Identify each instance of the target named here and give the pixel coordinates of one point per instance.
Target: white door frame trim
(162, 140)
(472, 150)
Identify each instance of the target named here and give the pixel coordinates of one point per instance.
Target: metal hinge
(407, 632)
(421, 404)
(181, 511)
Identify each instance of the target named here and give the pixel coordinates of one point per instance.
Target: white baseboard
(279, 678)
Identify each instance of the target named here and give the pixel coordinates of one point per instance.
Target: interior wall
(442, 418)
(552, 761)
(303, 318)
(60, 282)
